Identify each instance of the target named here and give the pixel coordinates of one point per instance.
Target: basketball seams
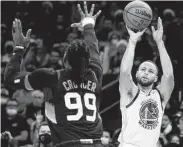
(131, 22)
(139, 7)
(137, 15)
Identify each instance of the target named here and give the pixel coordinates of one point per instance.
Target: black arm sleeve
(92, 42)
(22, 80)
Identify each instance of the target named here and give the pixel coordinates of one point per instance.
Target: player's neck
(146, 90)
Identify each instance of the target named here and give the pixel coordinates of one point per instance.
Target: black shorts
(81, 143)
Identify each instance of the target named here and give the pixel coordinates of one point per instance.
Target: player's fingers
(98, 13)
(80, 10)
(16, 25)
(19, 25)
(28, 34)
(128, 29)
(85, 8)
(75, 24)
(142, 32)
(158, 25)
(13, 27)
(92, 9)
(152, 28)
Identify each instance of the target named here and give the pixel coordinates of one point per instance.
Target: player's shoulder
(62, 72)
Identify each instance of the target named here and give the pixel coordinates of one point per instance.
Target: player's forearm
(13, 66)
(22, 137)
(29, 56)
(128, 58)
(91, 40)
(165, 60)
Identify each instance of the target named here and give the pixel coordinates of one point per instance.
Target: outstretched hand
(135, 36)
(158, 34)
(18, 37)
(85, 16)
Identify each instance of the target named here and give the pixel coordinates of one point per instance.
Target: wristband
(88, 20)
(18, 49)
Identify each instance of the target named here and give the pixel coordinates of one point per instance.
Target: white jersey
(141, 120)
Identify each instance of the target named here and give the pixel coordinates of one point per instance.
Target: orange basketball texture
(137, 15)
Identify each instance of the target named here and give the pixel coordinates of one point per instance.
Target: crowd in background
(22, 112)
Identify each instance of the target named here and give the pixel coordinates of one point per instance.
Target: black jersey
(71, 106)
(73, 113)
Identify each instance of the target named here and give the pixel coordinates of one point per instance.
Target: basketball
(137, 15)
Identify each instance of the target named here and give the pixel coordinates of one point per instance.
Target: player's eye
(151, 71)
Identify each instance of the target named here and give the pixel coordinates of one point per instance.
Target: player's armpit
(127, 88)
(97, 69)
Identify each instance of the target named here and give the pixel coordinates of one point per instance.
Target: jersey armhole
(161, 98)
(127, 106)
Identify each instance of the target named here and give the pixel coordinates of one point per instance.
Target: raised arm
(167, 80)
(87, 24)
(127, 87)
(22, 80)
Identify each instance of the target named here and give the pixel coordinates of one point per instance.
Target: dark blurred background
(51, 33)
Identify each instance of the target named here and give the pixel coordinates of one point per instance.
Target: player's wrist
(160, 43)
(132, 41)
(88, 20)
(18, 49)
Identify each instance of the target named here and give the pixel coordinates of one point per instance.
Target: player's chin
(145, 83)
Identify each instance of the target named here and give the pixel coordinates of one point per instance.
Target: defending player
(72, 112)
(141, 105)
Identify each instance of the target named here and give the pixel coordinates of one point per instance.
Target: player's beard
(144, 83)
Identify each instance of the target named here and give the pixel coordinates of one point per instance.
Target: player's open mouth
(144, 78)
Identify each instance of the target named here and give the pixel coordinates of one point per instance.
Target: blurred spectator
(167, 128)
(107, 27)
(43, 136)
(8, 48)
(7, 140)
(115, 136)
(113, 53)
(37, 55)
(4, 99)
(36, 108)
(14, 123)
(3, 66)
(174, 140)
(4, 36)
(171, 31)
(71, 37)
(54, 59)
(106, 139)
(180, 125)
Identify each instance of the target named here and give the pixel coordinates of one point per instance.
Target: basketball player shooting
(72, 110)
(142, 105)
